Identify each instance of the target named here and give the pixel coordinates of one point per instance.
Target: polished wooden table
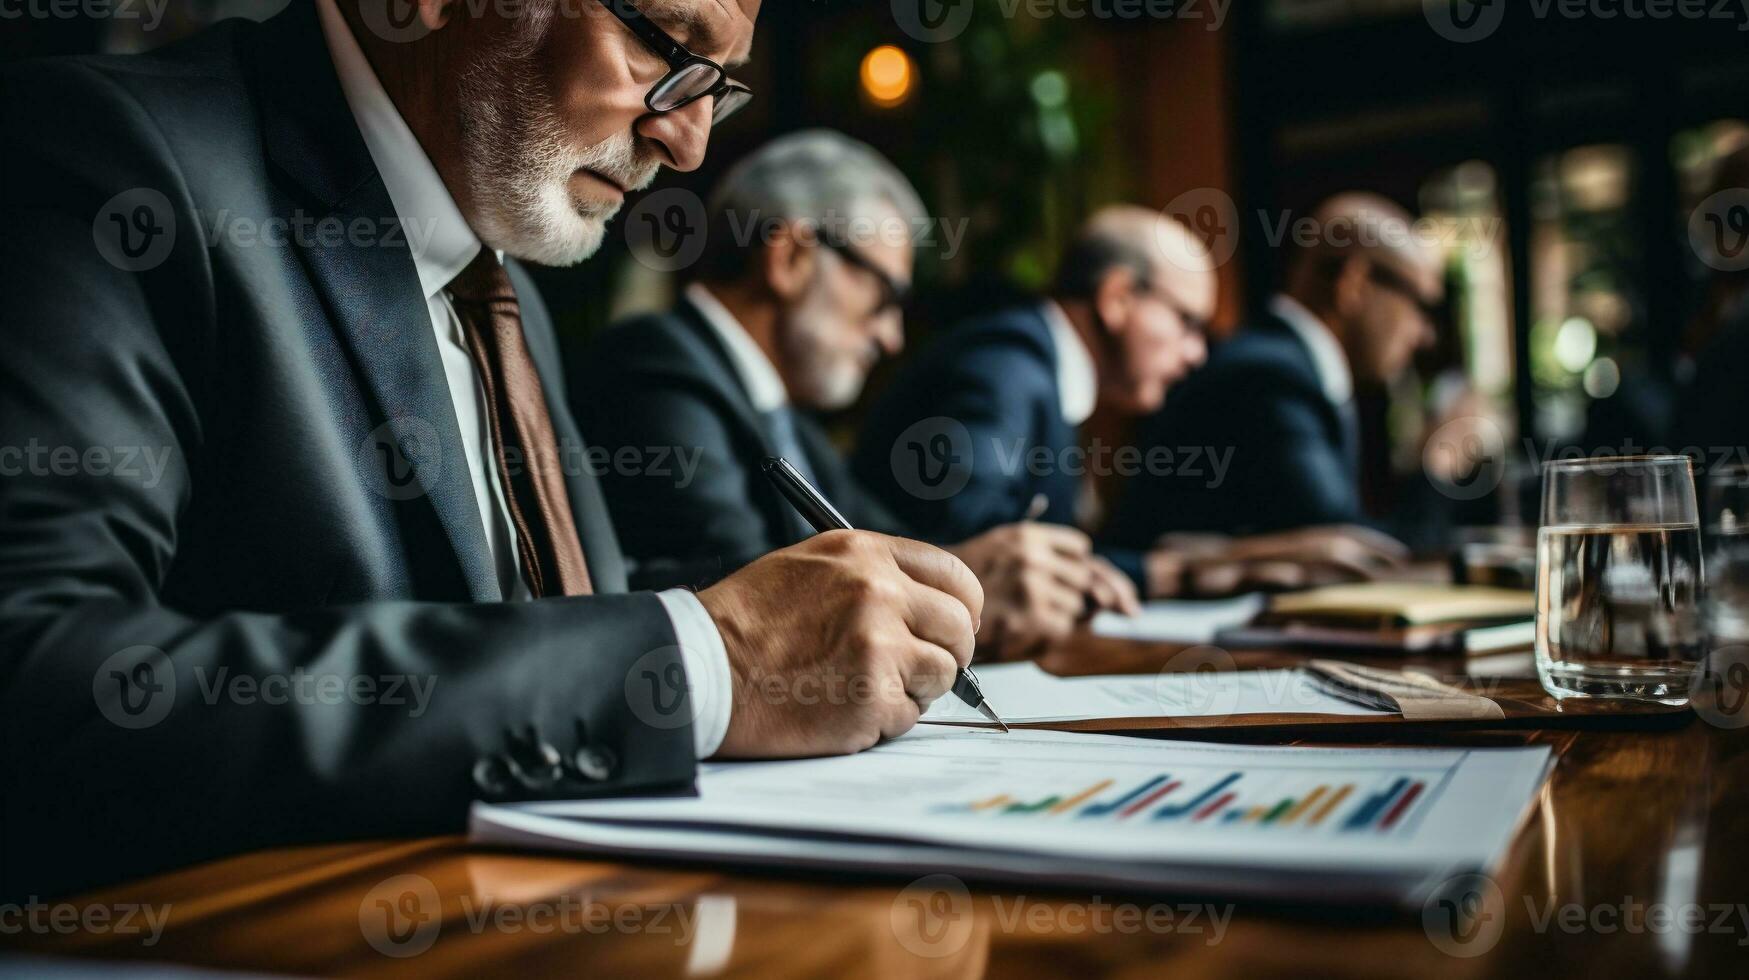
(1635, 862)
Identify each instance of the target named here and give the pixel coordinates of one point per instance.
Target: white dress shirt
(1334, 374)
(442, 245)
(758, 375)
(1077, 379)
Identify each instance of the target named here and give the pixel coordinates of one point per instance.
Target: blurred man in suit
(807, 261)
(1713, 400)
(1125, 319)
(987, 422)
(1356, 307)
(293, 540)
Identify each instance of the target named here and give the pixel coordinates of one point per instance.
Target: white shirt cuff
(706, 661)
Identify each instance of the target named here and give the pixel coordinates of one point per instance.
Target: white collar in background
(758, 375)
(1077, 379)
(438, 236)
(1334, 374)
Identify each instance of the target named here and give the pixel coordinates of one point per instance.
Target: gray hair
(818, 178)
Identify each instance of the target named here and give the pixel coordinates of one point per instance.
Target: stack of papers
(1024, 694)
(1371, 825)
(1180, 620)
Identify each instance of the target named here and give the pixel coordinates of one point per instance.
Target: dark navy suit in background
(1293, 461)
(948, 445)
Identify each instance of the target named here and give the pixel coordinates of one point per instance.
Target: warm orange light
(887, 75)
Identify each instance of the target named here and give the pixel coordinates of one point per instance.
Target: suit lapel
(371, 292)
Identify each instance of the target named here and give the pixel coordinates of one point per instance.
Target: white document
(1180, 620)
(1369, 824)
(1022, 693)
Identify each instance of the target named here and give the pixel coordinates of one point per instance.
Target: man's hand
(1275, 562)
(841, 641)
(1036, 577)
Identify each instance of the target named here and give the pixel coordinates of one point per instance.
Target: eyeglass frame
(676, 56)
(894, 294)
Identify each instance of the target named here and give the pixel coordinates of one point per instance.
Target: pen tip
(990, 713)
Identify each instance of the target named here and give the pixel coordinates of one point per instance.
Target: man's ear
(786, 261)
(1352, 285)
(433, 13)
(1114, 297)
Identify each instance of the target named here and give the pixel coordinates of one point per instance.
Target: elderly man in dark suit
(1356, 307)
(799, 290)
(294, 539)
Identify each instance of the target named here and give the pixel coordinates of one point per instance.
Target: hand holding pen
(822, 516)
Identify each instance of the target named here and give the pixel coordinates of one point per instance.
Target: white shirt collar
(1077, 379)
(758, 375)
(1334, 374)
(438, 236)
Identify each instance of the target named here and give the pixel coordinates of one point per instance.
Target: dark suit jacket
(312, 516)
(987, 394)
(1258, 399)
(663, 386)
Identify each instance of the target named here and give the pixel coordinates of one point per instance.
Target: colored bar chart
(1373, 802)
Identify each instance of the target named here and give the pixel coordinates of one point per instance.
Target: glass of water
(1619, 579)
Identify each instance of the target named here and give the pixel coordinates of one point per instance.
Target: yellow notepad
(1402, 604)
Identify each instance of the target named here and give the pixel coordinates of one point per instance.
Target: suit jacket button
(595, 763)
(492, 778)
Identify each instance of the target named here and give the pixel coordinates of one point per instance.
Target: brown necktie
(516, 409)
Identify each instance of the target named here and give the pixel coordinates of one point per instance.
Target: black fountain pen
(820, 513)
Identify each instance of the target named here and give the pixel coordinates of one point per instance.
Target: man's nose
(681, 135)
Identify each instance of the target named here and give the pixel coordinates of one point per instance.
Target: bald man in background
(1356, 307)
(984, 427)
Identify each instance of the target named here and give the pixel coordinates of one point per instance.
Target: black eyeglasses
(1191, 321)
(1396, 282)
(894, 294)
(690, 77)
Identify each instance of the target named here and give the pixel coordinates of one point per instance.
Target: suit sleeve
(140, 735)
(710, 483)
(983, 404)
